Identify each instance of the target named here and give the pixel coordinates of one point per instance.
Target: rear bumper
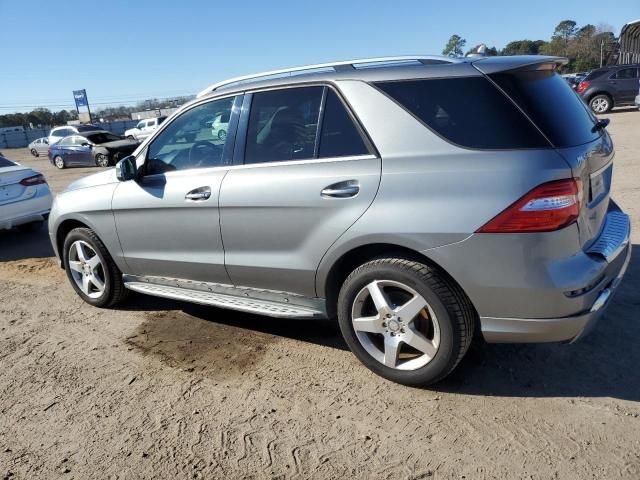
(536, 330)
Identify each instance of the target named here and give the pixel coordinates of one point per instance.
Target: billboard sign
(80, 96)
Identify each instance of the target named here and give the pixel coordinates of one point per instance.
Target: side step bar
(224, 300)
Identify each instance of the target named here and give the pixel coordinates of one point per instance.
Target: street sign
(80, 96)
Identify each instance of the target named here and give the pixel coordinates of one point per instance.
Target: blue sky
(123, 51)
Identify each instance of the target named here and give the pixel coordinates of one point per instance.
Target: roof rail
(336, 66)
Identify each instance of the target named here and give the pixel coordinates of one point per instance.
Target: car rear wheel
(91, 270)
(34, 152)
(58, 161)
(601, 104)
(405, 320)
(102, 160)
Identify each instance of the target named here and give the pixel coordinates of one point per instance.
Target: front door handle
(200, 193)
(347, 189)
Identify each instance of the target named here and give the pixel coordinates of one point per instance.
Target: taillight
(550, 206)
(35, 180)
(582, 86)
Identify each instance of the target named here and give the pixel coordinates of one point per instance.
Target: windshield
(102, 137)
(552, 105)
(5, 162)
(87, 128)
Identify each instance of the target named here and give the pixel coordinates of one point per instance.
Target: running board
(245, 303)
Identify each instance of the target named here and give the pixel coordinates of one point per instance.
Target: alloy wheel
(600, 105)
(102, 160)
(395, 325)
(59, 162)
(86, 269)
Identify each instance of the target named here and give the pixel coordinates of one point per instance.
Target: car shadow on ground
(621, 110)
(16, 245)
(604, 364)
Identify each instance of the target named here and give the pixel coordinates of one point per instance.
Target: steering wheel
(204, 153)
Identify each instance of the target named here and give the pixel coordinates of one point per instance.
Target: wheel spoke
(75, 265)
(368, 324)
(391, 350)
(94, 261)
(379, 298)
(80, 252)
(85, 284)
(411, 309)
(418, 341)
(99, 284)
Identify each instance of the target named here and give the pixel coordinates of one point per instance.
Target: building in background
(629, 42)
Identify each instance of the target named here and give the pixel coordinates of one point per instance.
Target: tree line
(43, 117)
(583, 46)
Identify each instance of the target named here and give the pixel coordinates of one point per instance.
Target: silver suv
(420, 200)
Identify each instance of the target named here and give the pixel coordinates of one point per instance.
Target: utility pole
(601, 51)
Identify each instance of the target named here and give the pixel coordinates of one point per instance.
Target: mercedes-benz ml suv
(420, 200)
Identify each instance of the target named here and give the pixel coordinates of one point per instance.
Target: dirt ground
(162, 389)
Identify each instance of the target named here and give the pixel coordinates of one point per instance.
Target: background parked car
(219, 126)
(58, 133)
(99, 148)
(25, 199)
(144, 128)
(608, 87)
(39, 146)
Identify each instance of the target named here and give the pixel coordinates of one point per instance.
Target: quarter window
(468, 111)
(340, 137)
(283, 125)
(187, 142)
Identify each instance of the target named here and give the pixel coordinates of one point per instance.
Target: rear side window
(468, 111)
(596, 74)
(551, 104)
(626, 74)
(283, 125)
(339, 137)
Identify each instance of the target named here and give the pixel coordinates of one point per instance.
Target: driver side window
(188, 142)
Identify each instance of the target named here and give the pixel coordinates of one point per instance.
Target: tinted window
(339, 137)
(140, 125)
(103, 137)
(187, 141)
(626, 73)
(5, 162)
(87, 128)
(551, 104)
(161, 119)
(595, 74)
(283, 125)
(468, 111)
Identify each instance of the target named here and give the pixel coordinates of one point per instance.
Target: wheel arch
(331, 283)
(63, 230)
(602, 92)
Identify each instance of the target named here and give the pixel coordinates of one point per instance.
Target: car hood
(117, 144)
(102, 178)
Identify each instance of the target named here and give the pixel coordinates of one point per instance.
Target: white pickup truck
(144, 128)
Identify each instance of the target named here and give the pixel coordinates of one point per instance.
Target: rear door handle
(346, 189)
(200, 193)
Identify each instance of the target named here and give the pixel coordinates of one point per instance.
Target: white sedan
(25, 198)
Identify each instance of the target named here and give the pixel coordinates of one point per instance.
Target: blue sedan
(99, 148)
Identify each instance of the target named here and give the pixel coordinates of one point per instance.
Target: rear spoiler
(489, 65)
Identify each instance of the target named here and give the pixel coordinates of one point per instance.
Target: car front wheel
(91, 270)
(405, 320)
(58, 161)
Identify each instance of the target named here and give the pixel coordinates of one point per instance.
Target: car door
(167, 219)
(77, 152)
(307, 174)
(625, 82)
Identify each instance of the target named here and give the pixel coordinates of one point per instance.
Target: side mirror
(126, 169)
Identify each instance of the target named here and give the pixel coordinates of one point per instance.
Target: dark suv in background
(608, 87)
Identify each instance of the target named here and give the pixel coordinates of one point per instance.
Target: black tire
(58, 161)
(34, 152)
(456, 316)
(30, 227)
(114, 290)
(601, 103)
(131, 137)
